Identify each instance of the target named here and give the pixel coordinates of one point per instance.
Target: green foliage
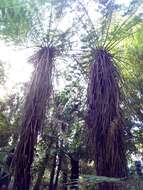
(111, 28)
(4, 130)
(132, 70)
(15, 20)
(25, 22)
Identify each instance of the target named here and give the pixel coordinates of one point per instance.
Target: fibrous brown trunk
(104, 119)
(35, 107)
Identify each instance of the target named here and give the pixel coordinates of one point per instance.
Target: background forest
(77, 121)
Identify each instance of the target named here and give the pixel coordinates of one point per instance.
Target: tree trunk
(58, 171)
(65, 178)
(64, 174)
(33, 117)
(42, 168)
(52, 175)
(110, 160)
(41, 172)
(74, 174)
(104, 119)
(110, 186)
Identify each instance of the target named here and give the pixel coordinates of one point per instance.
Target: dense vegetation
(86, 133)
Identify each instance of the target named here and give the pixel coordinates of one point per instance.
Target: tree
(38, 98)
(33, 117)
(104, 117)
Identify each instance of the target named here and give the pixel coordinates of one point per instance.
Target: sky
(16, 62)
(16, 66)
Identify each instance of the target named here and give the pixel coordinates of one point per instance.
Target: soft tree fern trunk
(104, 120)
(33, 117)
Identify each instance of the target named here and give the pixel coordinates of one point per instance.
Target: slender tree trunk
(42, 168)
(74, 174)
(65, 179)
(41, 172)
(55, 172)
(58, 171)
(52, 175)
(64, 175)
